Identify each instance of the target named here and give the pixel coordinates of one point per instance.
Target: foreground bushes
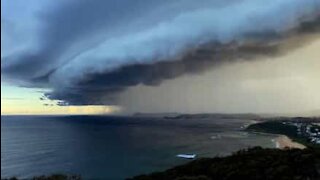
(254, 163)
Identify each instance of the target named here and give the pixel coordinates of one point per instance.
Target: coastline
(281, 141)
(284, 142)
(246, 125)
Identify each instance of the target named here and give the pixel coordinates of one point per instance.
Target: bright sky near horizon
(26, 101)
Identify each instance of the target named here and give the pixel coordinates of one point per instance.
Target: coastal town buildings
(307, 129)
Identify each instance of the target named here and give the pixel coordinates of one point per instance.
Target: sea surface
(108, 147)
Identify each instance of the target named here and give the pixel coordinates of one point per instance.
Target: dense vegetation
(275, 127)
(255, 163)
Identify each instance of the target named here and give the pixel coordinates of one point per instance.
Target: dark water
(98, 147)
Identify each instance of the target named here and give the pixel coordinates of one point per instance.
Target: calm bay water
(105, 147)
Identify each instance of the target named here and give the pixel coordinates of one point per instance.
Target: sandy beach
(283, 142)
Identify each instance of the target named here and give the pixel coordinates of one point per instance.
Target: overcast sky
(79, 56)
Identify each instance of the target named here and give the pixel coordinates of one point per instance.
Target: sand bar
(283, 142)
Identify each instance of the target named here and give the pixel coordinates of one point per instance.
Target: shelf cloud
(87, 52)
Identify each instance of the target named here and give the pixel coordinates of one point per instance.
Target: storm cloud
(89, 51)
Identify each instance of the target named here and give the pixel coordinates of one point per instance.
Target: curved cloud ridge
(167, 39)
(100, 38)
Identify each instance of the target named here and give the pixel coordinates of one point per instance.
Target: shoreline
(251, 121)
(281, 141)
(284, 142)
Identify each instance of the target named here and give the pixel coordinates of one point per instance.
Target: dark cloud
(102, 88)
(77, 25)
(77, 33)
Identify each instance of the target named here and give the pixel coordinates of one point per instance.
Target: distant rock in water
(174, 115)
(158, 115)
(215, 115)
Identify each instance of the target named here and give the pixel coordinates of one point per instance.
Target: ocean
(111, 147)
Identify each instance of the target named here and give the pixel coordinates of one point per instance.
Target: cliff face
(254, 163)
